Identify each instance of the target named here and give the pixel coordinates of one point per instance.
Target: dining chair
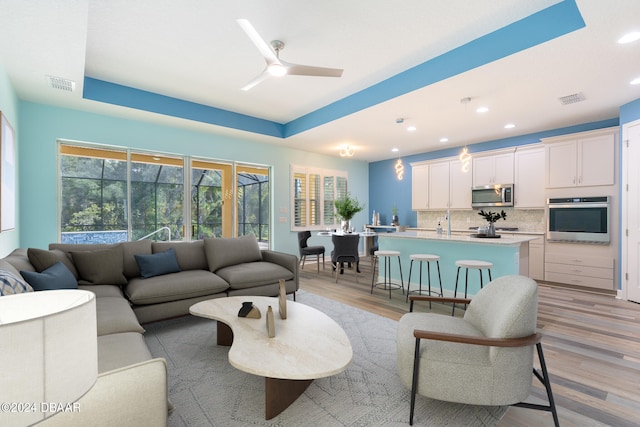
(345, 249)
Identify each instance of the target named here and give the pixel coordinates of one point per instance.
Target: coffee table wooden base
(280, 394)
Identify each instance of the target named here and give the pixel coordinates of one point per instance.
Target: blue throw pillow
(158, 264)
(58, 276)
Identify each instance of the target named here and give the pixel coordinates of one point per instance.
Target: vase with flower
(346, 208)
(492, 217)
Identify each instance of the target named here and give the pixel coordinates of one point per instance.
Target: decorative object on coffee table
(492, 217)
(282, 300)
(250, 311)
(271, 325)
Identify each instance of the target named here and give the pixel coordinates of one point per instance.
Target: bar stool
(467, 264)
(387, 269)
(428, 258)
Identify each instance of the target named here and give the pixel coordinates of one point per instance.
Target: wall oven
(579, 219)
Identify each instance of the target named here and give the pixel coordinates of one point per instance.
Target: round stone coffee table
(307, 345)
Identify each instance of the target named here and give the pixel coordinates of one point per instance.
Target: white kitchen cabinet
(459, 186)
(439, 185)
(493, 169)
(536, 254)
(449, 186)
(583, 162)
(529, 182)
(536, 259)
(419, 187)
(580, 270)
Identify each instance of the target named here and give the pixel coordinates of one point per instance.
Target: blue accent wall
(385, 189)
(630, 112)
(42, 125)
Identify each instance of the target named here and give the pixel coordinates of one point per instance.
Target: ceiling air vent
(572, 99)
(61, 83)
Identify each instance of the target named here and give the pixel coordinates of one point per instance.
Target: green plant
(493, 216)
(394, 210)
(347, 207)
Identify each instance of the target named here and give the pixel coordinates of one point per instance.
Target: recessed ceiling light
(395, 150)
(509, 126)
(635, 81)
(630, 37)
(411, 128)
(444, 139)
(482, 110)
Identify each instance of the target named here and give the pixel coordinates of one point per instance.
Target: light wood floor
(591, 345)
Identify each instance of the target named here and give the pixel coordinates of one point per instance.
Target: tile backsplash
(532, 220)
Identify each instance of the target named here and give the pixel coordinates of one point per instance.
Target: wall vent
(61, 83)
(572, 99)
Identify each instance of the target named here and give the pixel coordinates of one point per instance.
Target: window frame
(186, 162)
(323, 174)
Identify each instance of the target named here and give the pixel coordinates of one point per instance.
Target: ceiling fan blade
(264, 47)
(259, 78)
(310, 70)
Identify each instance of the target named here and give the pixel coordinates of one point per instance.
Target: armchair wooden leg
(414, 382)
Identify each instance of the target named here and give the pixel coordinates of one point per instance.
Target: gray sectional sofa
(140, 282)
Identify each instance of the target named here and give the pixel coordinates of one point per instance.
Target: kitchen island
(509, 255)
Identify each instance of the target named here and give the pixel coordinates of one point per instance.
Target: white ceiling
(194, 50)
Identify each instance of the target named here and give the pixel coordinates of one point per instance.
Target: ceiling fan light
(277, 70)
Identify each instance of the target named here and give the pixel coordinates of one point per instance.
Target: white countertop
(468, 230)
(465, 238)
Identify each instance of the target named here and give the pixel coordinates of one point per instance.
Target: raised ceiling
(183, 63)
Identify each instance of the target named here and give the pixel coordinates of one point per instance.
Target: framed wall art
(7, 175)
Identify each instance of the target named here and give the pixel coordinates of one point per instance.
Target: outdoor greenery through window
(113, 195)
(313, 194)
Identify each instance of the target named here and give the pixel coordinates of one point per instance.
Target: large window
(112, 195)
(94, 188)
(313, 194)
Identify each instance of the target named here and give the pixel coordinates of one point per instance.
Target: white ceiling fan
(277, 67)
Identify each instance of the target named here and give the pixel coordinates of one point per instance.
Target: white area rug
(207, 391)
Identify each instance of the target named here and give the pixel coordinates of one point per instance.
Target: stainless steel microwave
(579, 219)
(492, 195)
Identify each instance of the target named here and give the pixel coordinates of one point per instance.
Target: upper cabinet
(493, 169)
(440, 185)
(529, 177)
(581, 160)
(419, 187)
(449, 186)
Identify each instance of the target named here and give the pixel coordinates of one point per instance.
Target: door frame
(623, 293)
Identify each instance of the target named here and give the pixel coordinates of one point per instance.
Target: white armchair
(484, 358)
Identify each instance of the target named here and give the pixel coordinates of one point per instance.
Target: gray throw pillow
(226, 251)
(55, 277)
(157, 264)
(42, 259)
(101, 267)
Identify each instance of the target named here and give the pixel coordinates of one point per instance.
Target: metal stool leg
(455, 292)
(400, 267)
(439, 278)
(373, 274)
(409, 283)
(428, 279)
